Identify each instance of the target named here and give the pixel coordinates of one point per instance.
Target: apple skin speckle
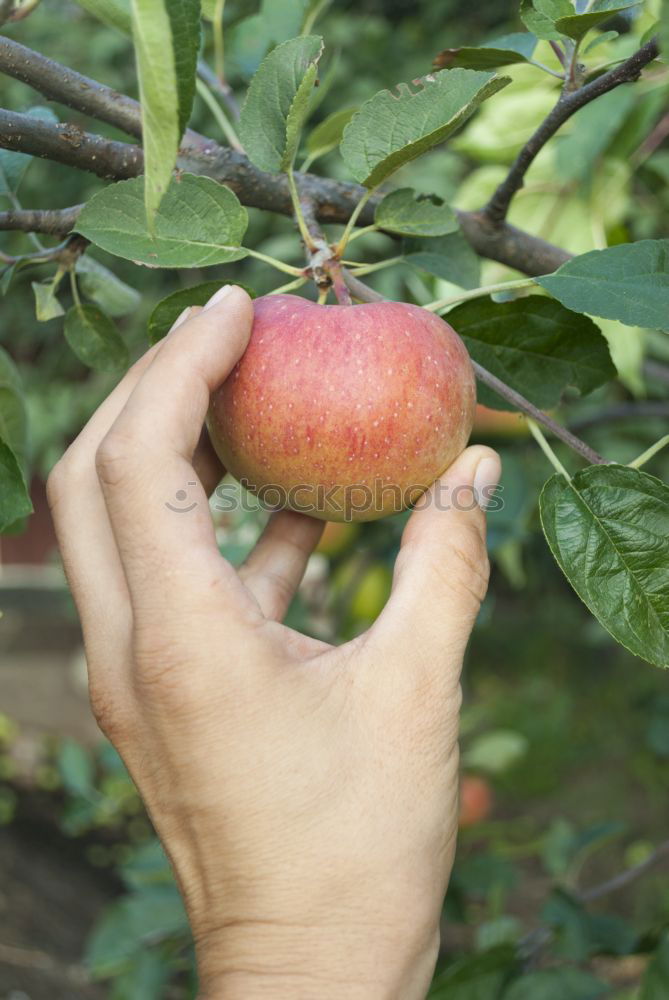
(381, 373)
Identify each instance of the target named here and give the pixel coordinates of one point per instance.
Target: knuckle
(107, 711)
(161, 671)
(56, 483)
(114, 457)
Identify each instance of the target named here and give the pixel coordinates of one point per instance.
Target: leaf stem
(346, 235)
(299, 215)
(219, 42)
(361, 269)
(219, 114)
(278, 264)
(74, 287)
(476, 293)
(540, 438)
(290, 287)
(363, 232)
(649, 453)
(313, 16)
(323, 296)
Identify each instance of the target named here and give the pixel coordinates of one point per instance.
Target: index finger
(157, 506)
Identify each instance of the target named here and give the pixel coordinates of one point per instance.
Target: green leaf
(655, 985)
(609, 532)
(47, 305)
(76, 769)
(393, 129)
(128, 925)
(145, 979)
(14, 499)
(534, 345)
(576, 26)
(102, 287)
(94, 339)
(200, 223)
(6, 279)
(475, 977)
(169, 309)
(114, 13)
(601, 39)
(282, 19)
(540, 18)
(185, 23)
(505, 51)
(13, 413)
(629, 282)
(557, 984)
(166, 34)
(495, 751)
(14, 165)
(448, 257)
(277, 103)
(328, 134)
(148, 865)
(410, 214)
(664, 34)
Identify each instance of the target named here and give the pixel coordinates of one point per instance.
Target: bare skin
(306, 794)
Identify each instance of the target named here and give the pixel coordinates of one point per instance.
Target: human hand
(306, 795)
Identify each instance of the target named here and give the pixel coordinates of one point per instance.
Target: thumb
(441, 572)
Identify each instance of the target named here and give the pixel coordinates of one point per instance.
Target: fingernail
(218, 296)
(486, 479)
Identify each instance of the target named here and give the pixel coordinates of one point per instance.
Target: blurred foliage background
(567, 734)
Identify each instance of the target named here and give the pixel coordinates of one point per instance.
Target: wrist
(249, 960)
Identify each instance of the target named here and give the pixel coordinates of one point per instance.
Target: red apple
(344, 412)
(475, 800)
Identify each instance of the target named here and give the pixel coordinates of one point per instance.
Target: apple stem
(342, 294)
(539, 437)
(323, 296)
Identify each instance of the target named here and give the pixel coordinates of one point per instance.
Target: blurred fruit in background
(476, 800)
(337, 538)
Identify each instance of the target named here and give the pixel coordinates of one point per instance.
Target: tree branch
(52, 222)
(60, 83)
(70, 145)
(567, 105)
(334, 200)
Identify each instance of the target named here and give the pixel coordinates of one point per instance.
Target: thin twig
(515, 398)
(60, 83)
(567, 105)
(625, 878)
(533, 943)
(52, 222)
